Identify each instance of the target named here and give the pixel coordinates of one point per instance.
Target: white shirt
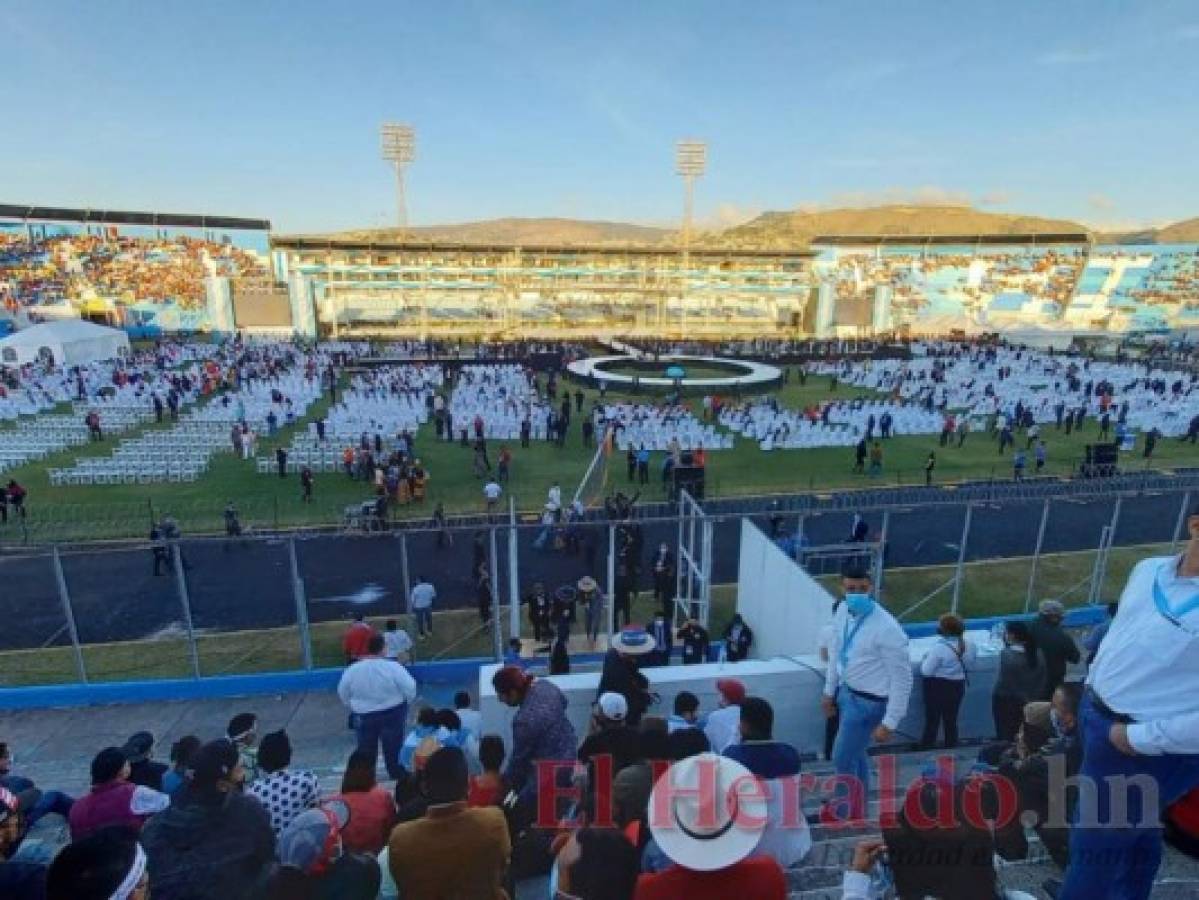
(492, 491)
(396, 643)
(373, 684)
(423, 595)
(554, 498)
(878, 660)
(470, 719)
(942, 661)
(723, 728)
(1148, 667)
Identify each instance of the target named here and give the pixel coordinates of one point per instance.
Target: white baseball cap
(613, 706)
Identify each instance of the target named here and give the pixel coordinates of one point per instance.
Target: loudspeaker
(689, 478)
(1101, 461)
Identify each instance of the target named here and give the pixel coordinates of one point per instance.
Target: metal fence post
(799, 523)
(185, 600)
(69, 613)
(882, 551)
(297, 589)
(959, 572)
(1180, 524)
(611, 580)
(496, 630)
(513, 571)
(1036, 557)
(406, 587)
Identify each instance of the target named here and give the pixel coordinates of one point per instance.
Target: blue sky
(1086, 110)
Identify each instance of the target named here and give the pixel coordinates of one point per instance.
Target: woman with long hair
(372, 808)
(1021, 673)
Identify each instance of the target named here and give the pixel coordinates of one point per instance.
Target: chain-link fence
(261, 602)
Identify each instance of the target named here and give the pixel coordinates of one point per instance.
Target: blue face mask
(859, 604)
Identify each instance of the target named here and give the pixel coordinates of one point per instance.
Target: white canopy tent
(70, 342)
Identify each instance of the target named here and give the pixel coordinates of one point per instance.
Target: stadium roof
(857, 240)
(286, 242)
(125, 217)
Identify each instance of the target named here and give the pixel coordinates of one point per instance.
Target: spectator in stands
(142, 769)
(377, 692)
(454, 850)
(488, 788)
(357, 638)
(48, 801)
(114, 799)
(372, 808)
(315, 864)
(622, 674)
(243, 732)
(1057, 647)
(470, 718)
(868, 684)
(541, 731)
(945, 669)
(108, 865)
(611, 745)
(19, 880)
(181, 755)
(1029, 770)
(213, 841)
(686, 712)
(786, 837)
(738, 638)
(1021, 674)
(710, 843)
(283, 792)
(597, 864)
(946, 863)
(724, 724)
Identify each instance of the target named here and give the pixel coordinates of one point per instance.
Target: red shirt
(485, 790)
(759, 877)
(372, 816)
(356, 643)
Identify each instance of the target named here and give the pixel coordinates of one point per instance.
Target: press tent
(69, 342)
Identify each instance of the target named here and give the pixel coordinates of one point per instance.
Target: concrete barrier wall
(792, 684)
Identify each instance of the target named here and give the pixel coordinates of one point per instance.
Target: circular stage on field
(696, 372)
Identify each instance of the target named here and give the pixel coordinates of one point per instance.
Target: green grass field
(89, 512)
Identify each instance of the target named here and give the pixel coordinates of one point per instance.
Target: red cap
(731, 689)
(510, 678)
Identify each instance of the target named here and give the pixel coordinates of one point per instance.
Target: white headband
(127, 887)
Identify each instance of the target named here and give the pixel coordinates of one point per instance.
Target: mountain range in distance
(776, 230)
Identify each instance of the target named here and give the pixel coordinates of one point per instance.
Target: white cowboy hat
(587, 583)
(707, 812)
(633, 641)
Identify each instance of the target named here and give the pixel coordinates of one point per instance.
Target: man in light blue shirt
(1140, 720)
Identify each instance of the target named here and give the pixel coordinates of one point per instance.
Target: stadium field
(79, 513)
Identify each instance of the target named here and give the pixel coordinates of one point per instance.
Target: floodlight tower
(690, 161)
(399, 149)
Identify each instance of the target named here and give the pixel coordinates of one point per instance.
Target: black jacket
(1057, 649)
(622, 677)
(203, 848)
